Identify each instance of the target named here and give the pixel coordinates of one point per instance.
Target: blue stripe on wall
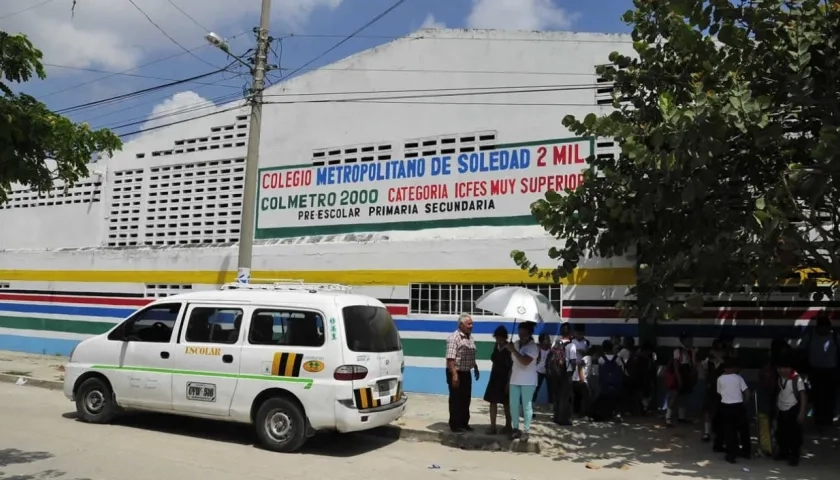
(487, 327)
(38, 345)
(53, 309)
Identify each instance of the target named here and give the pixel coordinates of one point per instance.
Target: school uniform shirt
(624, 355)
(682, 356)
(541, 361)
(582, 346)
(731, 388)
(787, 396)
(587, 367)
(525, 374)
(572, 354)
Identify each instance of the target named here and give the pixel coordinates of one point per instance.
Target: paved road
(40, 439)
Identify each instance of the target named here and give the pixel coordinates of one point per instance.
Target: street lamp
(252, 160)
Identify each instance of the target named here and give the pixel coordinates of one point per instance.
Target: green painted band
(307, 382)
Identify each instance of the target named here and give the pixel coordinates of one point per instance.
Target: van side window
(153, 325)
(286, 327)
(214, 325)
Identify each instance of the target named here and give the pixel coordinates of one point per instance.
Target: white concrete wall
(434, 59)
(497, 59)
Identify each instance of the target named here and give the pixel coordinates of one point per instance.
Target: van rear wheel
(281, 425)
(95, 401)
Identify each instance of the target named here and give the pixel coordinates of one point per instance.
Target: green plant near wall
(727, 118)
(30, 133)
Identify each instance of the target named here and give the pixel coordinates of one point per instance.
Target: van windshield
(370, 329)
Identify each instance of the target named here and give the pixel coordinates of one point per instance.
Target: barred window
(456, 298)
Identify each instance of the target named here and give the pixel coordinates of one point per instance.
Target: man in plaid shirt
(460, 359)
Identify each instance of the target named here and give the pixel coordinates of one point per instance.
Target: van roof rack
(287, 285)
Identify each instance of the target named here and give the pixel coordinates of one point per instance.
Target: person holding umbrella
(523, 379)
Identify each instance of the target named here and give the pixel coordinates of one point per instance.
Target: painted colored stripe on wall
(593, 276)
(82, 300)
(79, 308)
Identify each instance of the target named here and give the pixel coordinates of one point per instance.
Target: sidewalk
(641, 441)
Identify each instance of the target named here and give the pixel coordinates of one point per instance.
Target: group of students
(726, 417)
(597, 382)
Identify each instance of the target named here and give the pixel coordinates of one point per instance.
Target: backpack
(794, 379)
(611, 377)
(638, 368)
(556, 363)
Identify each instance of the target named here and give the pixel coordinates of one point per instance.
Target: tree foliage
(727, 117)
(31, 134)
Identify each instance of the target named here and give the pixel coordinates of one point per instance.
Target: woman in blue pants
(523, 379)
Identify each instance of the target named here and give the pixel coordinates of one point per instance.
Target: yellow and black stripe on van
(397, 396)
(364, 399)
(286, 364)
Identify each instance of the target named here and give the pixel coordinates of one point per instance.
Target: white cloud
(180, 106)
(112, 34)
(519, 15)
(432, 22)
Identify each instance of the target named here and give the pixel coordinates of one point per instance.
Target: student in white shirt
(791, 407)
(735, 426)
(545, 348)
(523, 379)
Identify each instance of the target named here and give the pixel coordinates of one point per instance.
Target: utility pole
(252, 160)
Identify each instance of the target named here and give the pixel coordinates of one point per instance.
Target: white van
(291, 358)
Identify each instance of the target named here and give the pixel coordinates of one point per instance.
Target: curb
(32, 382)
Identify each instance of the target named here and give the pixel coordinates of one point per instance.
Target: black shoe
(729, 459)
(794, 462)
(467, 428)
(718, 449)
(780, 457)
(706, 438)
(456, 430)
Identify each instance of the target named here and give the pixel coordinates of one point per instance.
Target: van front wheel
(95, 401)
(281, 425)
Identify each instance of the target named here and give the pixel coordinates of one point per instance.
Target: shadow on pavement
(13, 456)
(330, 444)
(646, 441)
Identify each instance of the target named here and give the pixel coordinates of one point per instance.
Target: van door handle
(227, 358)
(164, 354)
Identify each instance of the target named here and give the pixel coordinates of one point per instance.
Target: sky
(99, 49)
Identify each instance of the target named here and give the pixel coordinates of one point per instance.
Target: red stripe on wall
(129, 302)
(118, 301)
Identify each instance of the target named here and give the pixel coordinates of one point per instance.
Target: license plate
(384, 387)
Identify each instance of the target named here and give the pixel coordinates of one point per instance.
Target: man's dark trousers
(563, 398)
(459, 400)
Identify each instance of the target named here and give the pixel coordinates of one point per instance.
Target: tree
(727, 118)
(30, 134)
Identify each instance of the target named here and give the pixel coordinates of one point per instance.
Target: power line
(417, 36)
(347, 38)
(388, 100)
(32, 7)
(504, 88)
(135, 75)
(135, 93)
(174, 112)
(232, 97)
(157, 127)
(469, 91)
(72, 87)
(226, 97)
(172, 2)
(169, 36)
(448, 71)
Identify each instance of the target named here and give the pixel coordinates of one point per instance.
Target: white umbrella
(520, 304)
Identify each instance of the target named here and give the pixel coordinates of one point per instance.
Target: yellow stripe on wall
(592, 276)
